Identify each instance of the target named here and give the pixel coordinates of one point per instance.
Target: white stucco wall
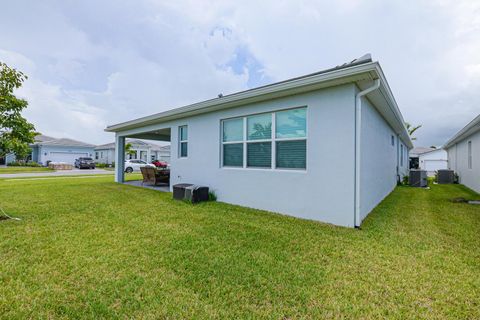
(458, 161)
(378, 176)
(325, 190)
(104, 156)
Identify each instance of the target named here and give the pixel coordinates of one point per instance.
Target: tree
(128, 149)
(16, 133)
(411, 129)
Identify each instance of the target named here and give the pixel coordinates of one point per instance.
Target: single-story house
(143, 150)
(8, 158)
(327, 146)
(464, 154)
(49, 149)
(428, 159)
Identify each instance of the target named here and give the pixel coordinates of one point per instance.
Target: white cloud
(97, 63)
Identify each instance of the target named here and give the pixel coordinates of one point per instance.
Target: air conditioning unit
(196, 194)
(445, 176)
(418, 178)
(190, 192)
(179, 190)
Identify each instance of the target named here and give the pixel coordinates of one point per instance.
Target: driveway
(58, 173)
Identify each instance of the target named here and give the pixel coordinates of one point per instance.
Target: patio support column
(119, 159)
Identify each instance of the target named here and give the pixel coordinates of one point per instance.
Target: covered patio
(164, 187)
(162, 134)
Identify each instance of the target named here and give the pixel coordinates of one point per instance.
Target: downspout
(358, 132)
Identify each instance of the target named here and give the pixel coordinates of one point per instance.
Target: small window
(401, 155)
(101, 154)
(470, 155)
(183, 135)
(393, 140)
(96, 155)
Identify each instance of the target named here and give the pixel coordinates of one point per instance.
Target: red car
(160, 164)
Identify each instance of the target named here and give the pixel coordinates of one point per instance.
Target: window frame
(273, 141)
(180, 141)
(469, 155)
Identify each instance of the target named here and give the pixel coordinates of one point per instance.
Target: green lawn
(23, 169)
(90, 248)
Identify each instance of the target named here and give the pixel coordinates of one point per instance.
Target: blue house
(49, 149)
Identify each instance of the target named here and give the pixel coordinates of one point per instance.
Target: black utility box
(445, 176)
(179, 190)
(418, 178)
(190, 192)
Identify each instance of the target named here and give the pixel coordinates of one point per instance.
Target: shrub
(212, 196)
(101, 165)
(22, 163)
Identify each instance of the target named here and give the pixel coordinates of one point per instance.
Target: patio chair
(154, 176)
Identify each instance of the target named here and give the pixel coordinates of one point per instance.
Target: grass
(4, 170)
(90, 248)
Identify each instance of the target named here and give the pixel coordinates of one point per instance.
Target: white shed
(328, 146)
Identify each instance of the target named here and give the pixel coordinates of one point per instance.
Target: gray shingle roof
(63, 142)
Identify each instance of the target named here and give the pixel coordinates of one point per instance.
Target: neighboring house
(328, 146)
(47, 149)
(429, 159)
(7, 159)
(141, 150)
(464, 154)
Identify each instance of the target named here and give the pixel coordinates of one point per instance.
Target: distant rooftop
(421, 150)
(64, 142)
(135, 143)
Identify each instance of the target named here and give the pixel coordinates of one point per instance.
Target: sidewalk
(73, 172)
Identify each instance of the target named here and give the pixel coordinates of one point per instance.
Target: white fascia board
(465, 132)
(328, 79)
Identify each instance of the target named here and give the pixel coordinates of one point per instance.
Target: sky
(95, 63)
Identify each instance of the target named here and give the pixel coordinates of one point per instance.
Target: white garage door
(434, 165)
(65, 156)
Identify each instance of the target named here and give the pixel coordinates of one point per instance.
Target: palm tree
(411, 129)
(128, 149)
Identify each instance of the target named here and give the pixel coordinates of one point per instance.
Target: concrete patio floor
(164, 187)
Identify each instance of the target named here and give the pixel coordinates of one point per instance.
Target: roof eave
(465, 132)
(300, 85)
